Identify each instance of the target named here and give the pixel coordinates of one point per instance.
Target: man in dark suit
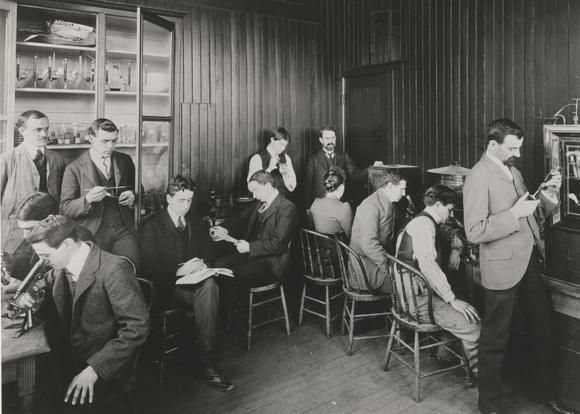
(102, 313)
(98, 192)
(265, 229)
(27, 169)
(168, 238)
(322, 161)
(500, 218)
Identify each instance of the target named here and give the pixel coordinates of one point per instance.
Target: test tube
(17, 67)
(35, 69)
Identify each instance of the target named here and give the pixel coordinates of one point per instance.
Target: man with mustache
(500, 218)
(323, 160)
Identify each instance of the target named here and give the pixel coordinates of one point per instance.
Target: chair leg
(327, 290)
(351, 329)
(417, 361)
(250, 313)
(286, 319)
(301, 314)
(390, 345)
(162, 351)
(343, 324)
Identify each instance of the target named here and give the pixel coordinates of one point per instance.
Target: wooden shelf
(57, 91)
(87, 145)
(130, 94)
(58, 47)
(126, 54)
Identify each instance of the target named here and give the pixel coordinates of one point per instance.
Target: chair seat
(364, 296)
(265, 288)
(415, 326)
(323, 281)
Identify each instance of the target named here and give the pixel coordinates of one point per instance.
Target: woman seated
(334, 218)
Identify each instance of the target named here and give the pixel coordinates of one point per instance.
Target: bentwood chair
(321, 275)
(356, 289)
(410, 292)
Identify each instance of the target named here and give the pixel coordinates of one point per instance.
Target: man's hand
(217, 233)
(273, 164)
(82, 386)
(454, 259)
(25, 300)
(127, 198)
(466, 310)
(552, 187)
(524, 207)
(243, 246)
(284, 170)
(96, 194)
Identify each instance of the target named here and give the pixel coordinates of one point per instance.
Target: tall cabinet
(79, 63)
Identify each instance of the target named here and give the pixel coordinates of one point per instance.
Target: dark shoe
(560, 408)
(216, 380)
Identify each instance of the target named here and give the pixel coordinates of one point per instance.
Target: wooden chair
(411, 290)
(351, 265)
(321, 274)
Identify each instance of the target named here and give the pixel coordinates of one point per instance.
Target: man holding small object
(500, 218)
(97, 191)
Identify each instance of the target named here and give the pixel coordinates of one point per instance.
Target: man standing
(168, 238)
(373, 229)
(102, 314)
(417, 246)
(500, 218)
(27, 169)
(322, 161)
(265, 229)
(275, 161)
(97, 191)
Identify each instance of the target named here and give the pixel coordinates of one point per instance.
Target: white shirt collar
(271, 199)
(327, 152)
(500, 164)
(32, 149)
(77, 262)
(175, 217)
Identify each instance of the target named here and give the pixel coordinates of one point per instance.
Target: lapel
(272, 209)
(252, 221)
(23, 158)
(493, 167)
(62, 298)
(87, 276)
(168, 223)
(118, 167)
(88, 168)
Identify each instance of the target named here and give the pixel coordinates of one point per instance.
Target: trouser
(533, 298)
(119, 240)
(248, 272)
(204, 299)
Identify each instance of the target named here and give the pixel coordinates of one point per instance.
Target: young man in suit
(26, 169)
(265, 231)
(373, 230)
(102, 313)
(500, 218)
(322, 161)
(98, 192)
(173, 236)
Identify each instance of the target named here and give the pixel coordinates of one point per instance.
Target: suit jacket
(80, 176)
(19, 178)
(107, 320)
(317, 165)
(275, 233)
(372, 236)
(505, 244)
(162, 250)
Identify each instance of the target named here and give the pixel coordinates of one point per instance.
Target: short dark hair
(53, 230)
(391, 176)
(36, 206)
(440, 193)
(179, 183)
(327, 128)
(101, 123)
(281, 133)
(333, 179)
(500, 128)
(26, 115)
(262, 177)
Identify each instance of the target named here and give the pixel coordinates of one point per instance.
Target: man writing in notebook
(169, 238)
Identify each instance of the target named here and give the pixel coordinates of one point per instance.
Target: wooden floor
(302, 373)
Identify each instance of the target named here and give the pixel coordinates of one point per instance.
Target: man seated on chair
(266, 229)
(173, 236)
(373, 230)
(103, 317)
(417, 245)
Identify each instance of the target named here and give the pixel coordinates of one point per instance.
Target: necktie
(180, 224)
(105, 161)
(262, 208)
(39, 160)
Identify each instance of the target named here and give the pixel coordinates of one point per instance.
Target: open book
(195, 271)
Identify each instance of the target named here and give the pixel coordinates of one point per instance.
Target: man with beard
(322, 161)
(500, 218)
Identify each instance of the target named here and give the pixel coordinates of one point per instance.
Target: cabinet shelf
(132, 94)
(58, 91)
(52, 46)
(126, 54)
(86, 146)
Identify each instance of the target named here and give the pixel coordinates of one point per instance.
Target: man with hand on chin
(98, 192)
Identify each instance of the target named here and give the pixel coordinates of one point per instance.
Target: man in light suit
(373, 230)
(103, 316)
(98, 192)
(322, 161)
(500, 218)
(27, 169)
(265, 229)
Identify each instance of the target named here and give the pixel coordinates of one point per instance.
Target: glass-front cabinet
(80, 63)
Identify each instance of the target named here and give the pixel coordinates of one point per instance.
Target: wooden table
(19, 357)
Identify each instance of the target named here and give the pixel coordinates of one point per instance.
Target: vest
(111, 212)
(278, 180)
(405, 251)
